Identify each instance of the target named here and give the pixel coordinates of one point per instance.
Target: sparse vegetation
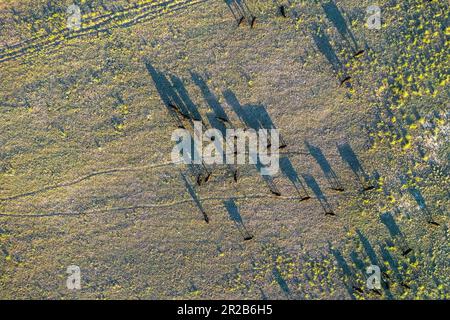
(85, 170)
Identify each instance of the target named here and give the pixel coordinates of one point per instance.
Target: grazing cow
(241, 12)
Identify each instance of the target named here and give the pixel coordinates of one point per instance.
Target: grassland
(86, 176)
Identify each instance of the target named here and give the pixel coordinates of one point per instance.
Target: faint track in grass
(160, 205)
(104, 172)
(82, 178)
(104, 23)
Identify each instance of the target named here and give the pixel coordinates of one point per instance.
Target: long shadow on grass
(420, 200)
(235, 216)
(361, 267)
(188, 154)
(281, 282)
(349, 281)
(314, 186)
(227, 152)
(398, 237)
(269, 181)
(169, 96)
(335, 16)
(252, 116)
(347, 154)
(210, 97)
(218, 119)
(394, 266)
(244, 114)
(265, 121)
(181, 109)
(194, 197)
(180, 89)
(322, 161)
(288, 170)
(370, 251)
(322, 42)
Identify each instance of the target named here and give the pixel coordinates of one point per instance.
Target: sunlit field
(87, 113)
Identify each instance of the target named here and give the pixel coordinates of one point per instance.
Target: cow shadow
(373, 257)
(243, 113)
(197, 170)
(334, 15)
(248, 118)
(394, 266)
(323, 43)
(420, 200)
(253, 117)
(398, 237)
(349, 282)
(169, 96)
(281, 281)
(182, 110)
(361, 268)
(288, 170)
(210, 98)
(314, 186)
(235, 216)
(347, 154)
(265, 121)
(268, 180)
(228, 149)
(194, 197)
(218, 119)
(328, 171)
(182, 93)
